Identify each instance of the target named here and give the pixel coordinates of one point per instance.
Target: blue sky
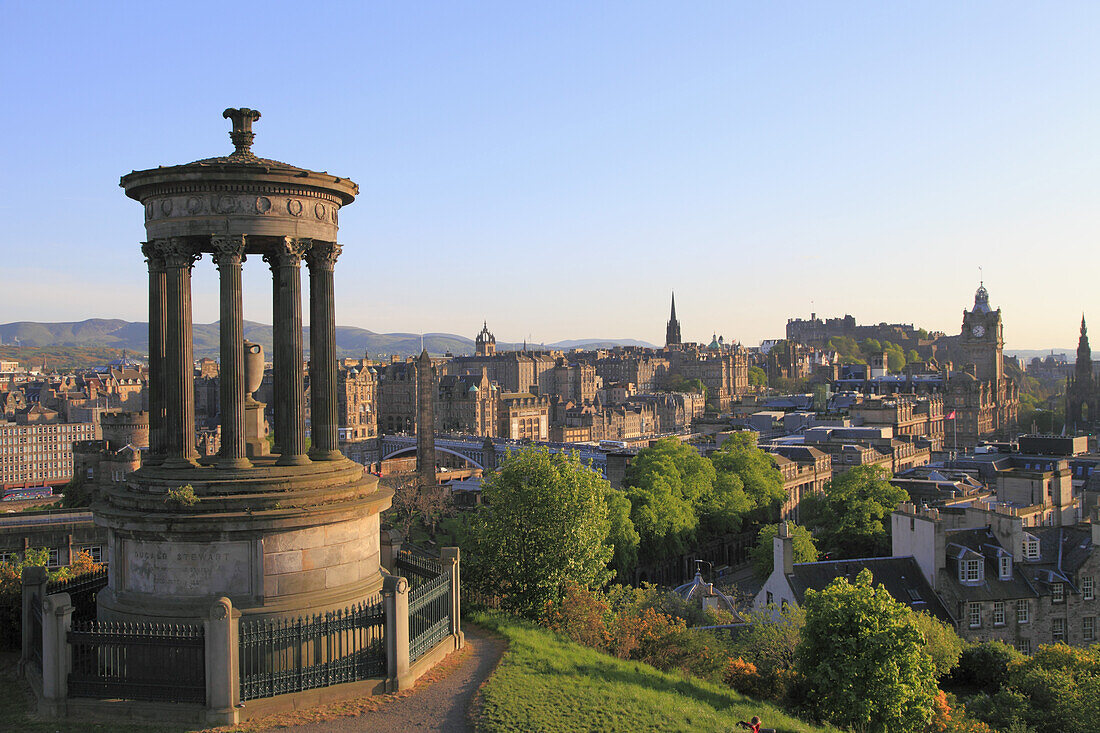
(558, 168)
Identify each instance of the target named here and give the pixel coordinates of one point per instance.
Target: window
(770, 598)
(1006, 567)
(970, 571)
(54, 559)
(1024, 646)
(998, 613)
(1088, 591)
(1057, 593)
(1088, 627)
(974, 612)
(96, 552)
(1031, 547)
(1023, 615)
(1058, 630)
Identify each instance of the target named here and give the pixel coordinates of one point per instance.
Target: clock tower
(982, 339)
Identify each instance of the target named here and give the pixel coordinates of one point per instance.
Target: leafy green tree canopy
(545, 522)
(739, 456)
(664, 483)
(758, 377)
(848, 519)
(763, 554)
(864, 659)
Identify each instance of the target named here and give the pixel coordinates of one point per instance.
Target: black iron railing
(419, 567)
(36, 630)
(290, 655)
(135, 661)
(82, 591)
(429, 615)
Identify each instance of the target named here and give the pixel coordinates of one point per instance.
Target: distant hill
(350, 341)
(1026, 355)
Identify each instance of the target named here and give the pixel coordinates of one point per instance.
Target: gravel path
(433, 704)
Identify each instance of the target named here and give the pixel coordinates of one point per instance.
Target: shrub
(182, 496)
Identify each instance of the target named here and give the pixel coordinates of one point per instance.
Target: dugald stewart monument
(253, 580)
(281, 533)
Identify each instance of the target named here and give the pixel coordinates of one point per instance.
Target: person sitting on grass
(753, 725)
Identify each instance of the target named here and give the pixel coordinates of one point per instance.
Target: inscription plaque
(188, 568)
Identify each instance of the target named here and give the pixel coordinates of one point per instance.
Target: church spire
(1084, 353)
(672, 330)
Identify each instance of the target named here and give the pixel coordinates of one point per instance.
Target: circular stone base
(279, 541)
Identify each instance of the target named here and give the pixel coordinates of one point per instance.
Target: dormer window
(1031, 547)
(970, 571)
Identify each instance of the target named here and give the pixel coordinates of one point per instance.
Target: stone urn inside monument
(280, 533)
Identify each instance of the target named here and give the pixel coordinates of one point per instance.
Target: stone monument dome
(279, 532)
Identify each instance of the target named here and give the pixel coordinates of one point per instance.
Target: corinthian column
(322, 352)
(179, 364)
(156, 350)
(228, 255)
(285, 260)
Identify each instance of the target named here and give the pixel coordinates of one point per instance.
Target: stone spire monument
(280, 534)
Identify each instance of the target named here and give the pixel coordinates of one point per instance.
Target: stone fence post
(450, 559)
(34, 584)
(390, 544)
(395, 604)
(57, 619)
(223, 682)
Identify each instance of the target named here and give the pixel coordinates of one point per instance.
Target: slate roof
(982, 541)
(1062, 552)
(901, 577)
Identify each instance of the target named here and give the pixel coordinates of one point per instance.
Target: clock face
(979, 331)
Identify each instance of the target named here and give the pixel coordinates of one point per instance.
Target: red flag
(950, 416)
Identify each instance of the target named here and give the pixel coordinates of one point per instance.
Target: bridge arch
(438, 449)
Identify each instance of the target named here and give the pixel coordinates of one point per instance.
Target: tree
(864, 660)
(664, 484)
(763, 555)
(770, 643)
(762, 482)
(895, 359)
(758, 377)
(416, 508)
(848, 518)
(621, 535)
(940, 641)
(545, 522)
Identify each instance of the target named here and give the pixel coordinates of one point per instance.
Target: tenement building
(1002, 580)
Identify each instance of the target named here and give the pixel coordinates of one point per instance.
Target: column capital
(153, 256)
(323, 255)
(288, 252)
(177, 252)
(227, 249)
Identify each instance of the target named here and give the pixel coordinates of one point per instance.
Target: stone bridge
(484, 453)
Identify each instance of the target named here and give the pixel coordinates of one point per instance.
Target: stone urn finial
(242, 135)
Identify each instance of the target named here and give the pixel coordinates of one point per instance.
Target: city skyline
(533, 167)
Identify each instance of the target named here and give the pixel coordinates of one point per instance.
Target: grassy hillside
(545, 683)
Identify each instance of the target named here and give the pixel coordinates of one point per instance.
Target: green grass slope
(547, 683)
